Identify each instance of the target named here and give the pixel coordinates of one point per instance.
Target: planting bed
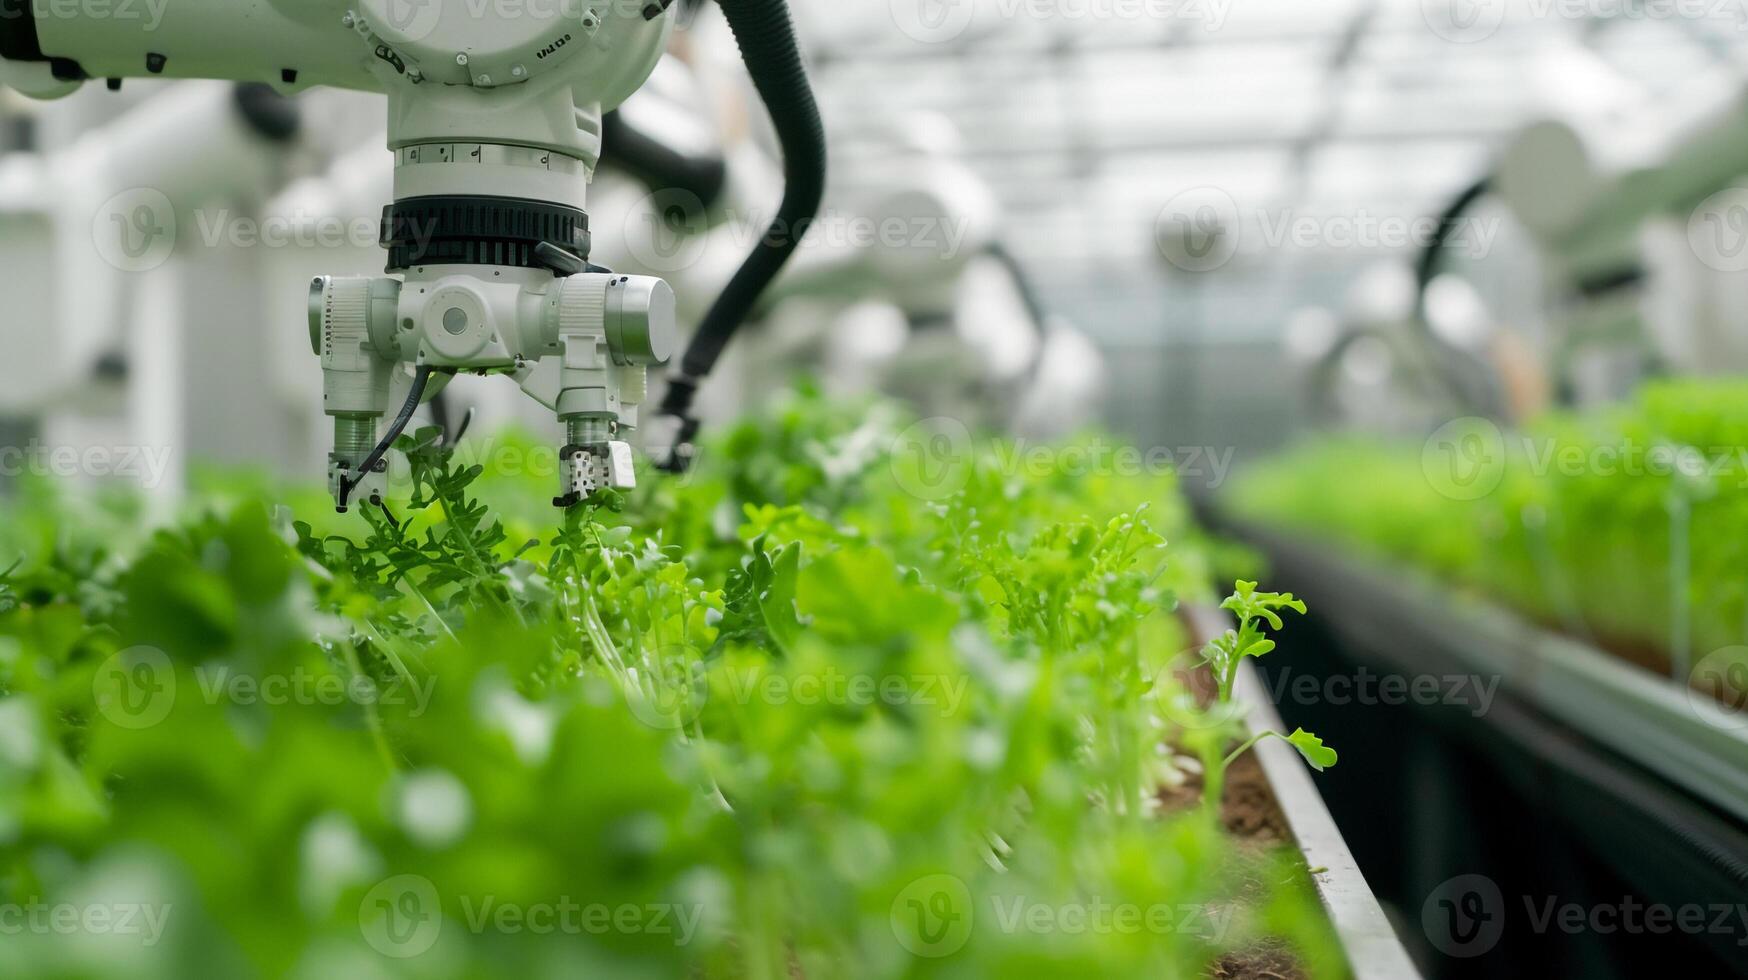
(1589, 569)
(1583, 777)
(1621, 529)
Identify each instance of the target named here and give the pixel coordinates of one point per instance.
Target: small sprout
(1224, 656)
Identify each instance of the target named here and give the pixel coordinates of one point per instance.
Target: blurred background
(1386, 236)
(1206, 223)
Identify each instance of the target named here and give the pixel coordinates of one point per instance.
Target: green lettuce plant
(1618, 526)
(785, 718)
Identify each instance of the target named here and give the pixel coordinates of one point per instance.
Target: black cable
(1023, 284)
(461, 430)
(438, 409)
(766, 36)
(1427, 267)
(695, 181)
(1027, 288)
(440, 417)
(420, 377)
(1475, 390)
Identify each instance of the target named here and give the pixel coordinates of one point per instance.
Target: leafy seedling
(1224, 655)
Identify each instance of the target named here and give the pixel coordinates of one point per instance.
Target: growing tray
(1653, 778)
(1370, 945)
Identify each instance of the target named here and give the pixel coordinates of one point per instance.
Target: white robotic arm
(494, 121)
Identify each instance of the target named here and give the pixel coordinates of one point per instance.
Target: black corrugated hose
(772, 54)
(702, 177)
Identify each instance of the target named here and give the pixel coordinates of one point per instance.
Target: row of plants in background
(783, 718)
(1622, 526)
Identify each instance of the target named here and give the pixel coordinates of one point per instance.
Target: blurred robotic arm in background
(1629, 221)
(902, 286)
(76, 222)
(1627, 198)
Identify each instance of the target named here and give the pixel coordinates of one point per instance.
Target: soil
(1262, 962)
(1250, 814)
(1248, 809)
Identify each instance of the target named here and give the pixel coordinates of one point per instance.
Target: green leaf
(1317, 755)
